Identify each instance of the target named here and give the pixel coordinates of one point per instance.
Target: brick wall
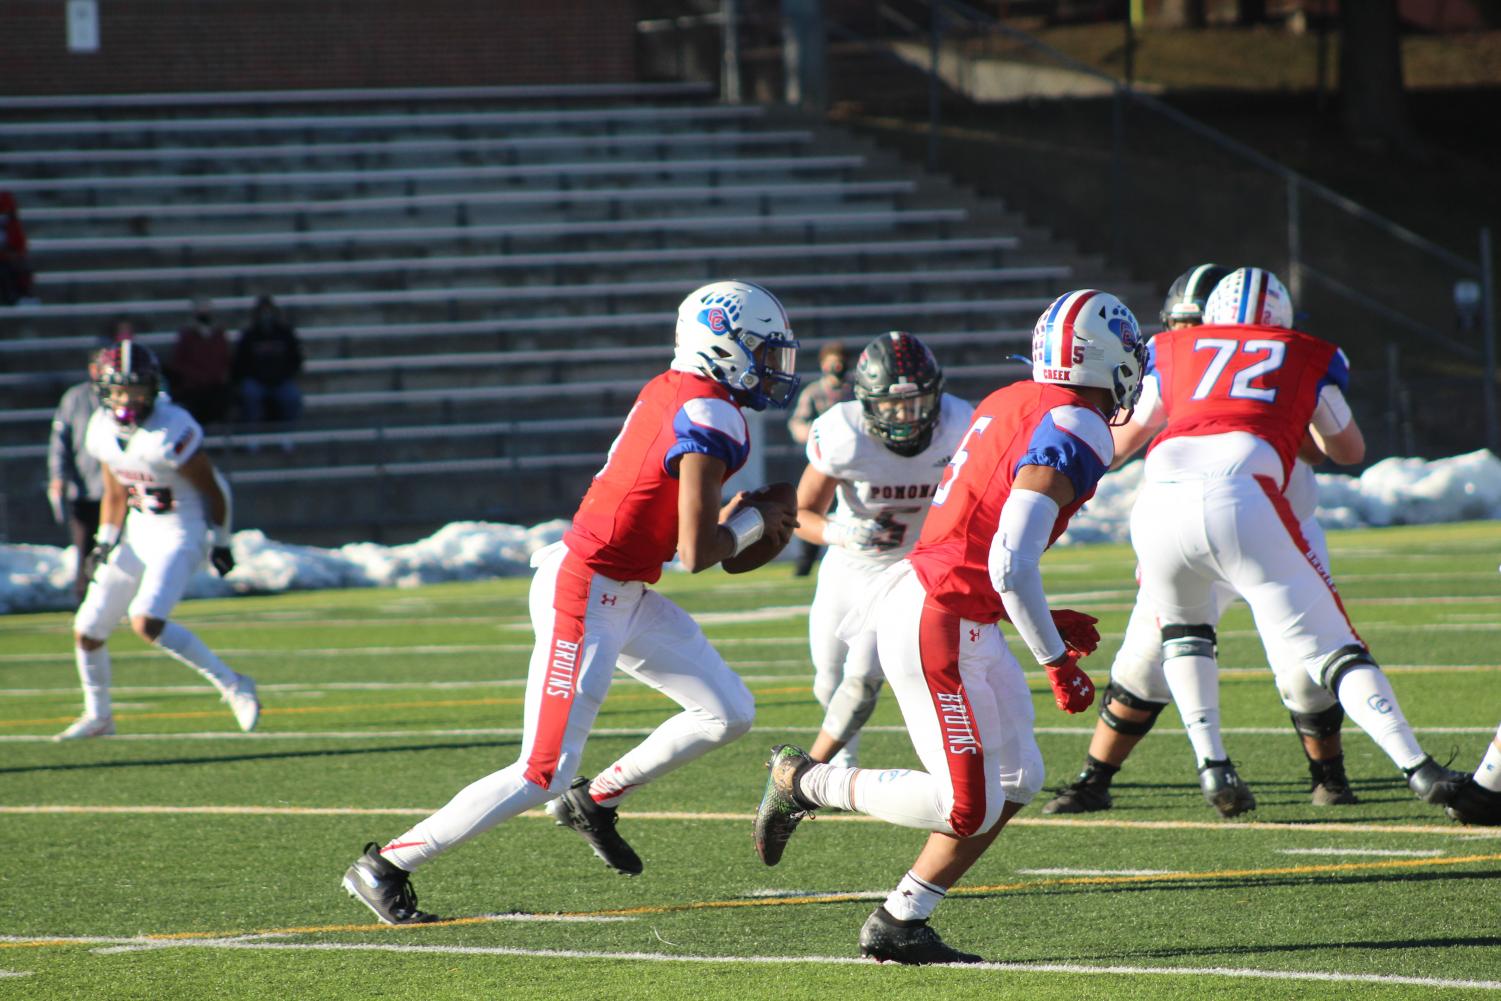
(185, 45)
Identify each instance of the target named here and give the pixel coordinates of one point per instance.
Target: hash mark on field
(971, 969)
(15, 973)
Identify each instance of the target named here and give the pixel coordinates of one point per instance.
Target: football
(765, 549)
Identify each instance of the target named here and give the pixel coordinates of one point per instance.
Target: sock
(914, 898)
(182, 645)
(828, 785)
(1195, 683)
(1328, 770)
(608, 788)
(676, 741)
(476, 808)
(1488, 775)
(1369, 700)
(1097, 772)
(93, 672)
(900, 796)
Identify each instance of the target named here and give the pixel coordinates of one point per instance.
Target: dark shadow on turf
(1291, 947)
(262, 756)
(1270, 882)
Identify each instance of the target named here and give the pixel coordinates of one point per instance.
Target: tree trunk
(1181, 14)
(1370, 75)
(1251, 12)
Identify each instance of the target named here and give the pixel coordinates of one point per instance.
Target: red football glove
(1077, 630)
(1072, 689)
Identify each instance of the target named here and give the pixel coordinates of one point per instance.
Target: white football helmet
(1249, 295)
(737, 334)
(1090, 338)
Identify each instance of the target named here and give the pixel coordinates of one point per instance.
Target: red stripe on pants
(938, 635)
(1295, 530)
(570, 603)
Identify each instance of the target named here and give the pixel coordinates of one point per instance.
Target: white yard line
(1451, 830)
(1222, 972)
(511, 731)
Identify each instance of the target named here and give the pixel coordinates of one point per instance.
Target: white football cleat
(88, 726)
(243, 703)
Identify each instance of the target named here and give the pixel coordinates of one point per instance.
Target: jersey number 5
(961, 456)
(1240, 387)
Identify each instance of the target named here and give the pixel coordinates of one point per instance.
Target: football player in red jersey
(592, 610)
(1234, 398)
(1138, 691)
(1031, 457)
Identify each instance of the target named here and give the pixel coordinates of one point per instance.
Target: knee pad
(1188, 641)
(1023, 785)
(1134, 728)
(1340, 661)
(850, 706)
(1323, 724)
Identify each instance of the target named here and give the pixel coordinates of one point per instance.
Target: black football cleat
(781, 808)
(384, 888)
(911, 943)
(1475, 804)
(596, 825)
(1080, 797)
(1224, 789)
(1431, 782)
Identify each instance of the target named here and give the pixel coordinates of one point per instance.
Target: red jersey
(1024, 424)
(627, 525)
(1261, 380)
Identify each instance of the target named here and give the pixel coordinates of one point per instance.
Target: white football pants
(1138, 664)
(586, 625)
(968, 712)
(1190, 535)
(846, 675)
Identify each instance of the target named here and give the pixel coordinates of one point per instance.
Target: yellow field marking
(788, 901)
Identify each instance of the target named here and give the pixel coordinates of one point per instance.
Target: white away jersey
(874, 482)
(147, 462)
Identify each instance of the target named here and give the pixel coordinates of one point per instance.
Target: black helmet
(900, 389)
(128, 364)
(1185, 299)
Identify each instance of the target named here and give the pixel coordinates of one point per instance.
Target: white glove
(852, 533)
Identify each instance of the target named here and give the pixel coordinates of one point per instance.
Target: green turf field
(182, 859)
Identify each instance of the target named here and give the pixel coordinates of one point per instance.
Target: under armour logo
(1379, 704)
(974, 635)
(607, 599)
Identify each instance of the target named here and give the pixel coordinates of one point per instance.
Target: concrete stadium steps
(470, 207)
(145, 191)
(143, 133)
(503, 303)
(481, 283)
(247, 103)
(825, 223)
(410, 272)
(345, 363)
(40, 166)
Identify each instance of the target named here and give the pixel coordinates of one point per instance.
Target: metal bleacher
(482, 277)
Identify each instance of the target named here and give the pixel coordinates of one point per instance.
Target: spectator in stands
(267, 359)
(198, 369)
(74, 483)
(831, 387)
(16, 285)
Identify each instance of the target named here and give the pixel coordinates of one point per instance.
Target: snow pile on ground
(1392, 492)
